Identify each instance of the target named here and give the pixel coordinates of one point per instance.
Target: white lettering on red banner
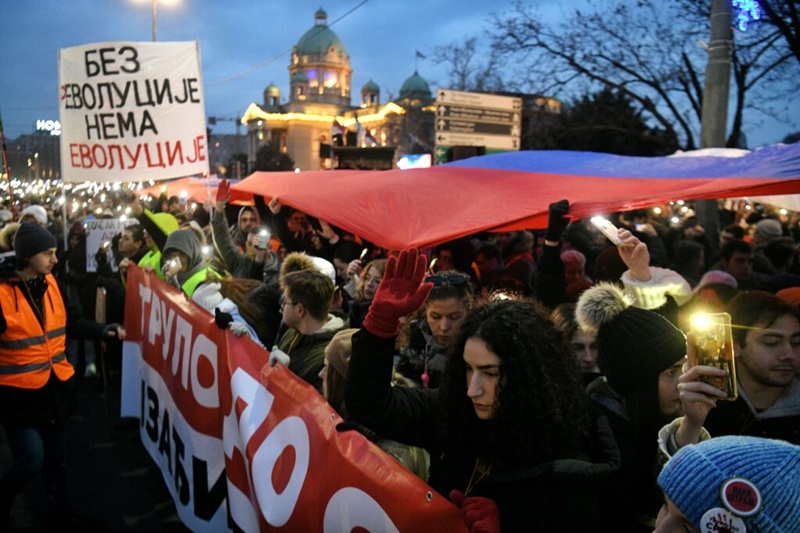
(240, 443)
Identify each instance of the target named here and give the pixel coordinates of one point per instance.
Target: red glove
(224, 192)
(480, 514)
(400, 293)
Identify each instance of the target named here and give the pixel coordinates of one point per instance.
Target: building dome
(272, 90)
(320, 40)
(370, 87)
(299, 76)
(415, 87)
(272, 95)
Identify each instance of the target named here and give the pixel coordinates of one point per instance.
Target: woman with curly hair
(510, 433)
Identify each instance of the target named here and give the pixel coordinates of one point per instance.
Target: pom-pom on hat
(326, 267)
(756, 480)
(32, 239)
(38, 213)
(634, 345)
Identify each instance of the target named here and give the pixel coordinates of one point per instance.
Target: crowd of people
(541, 380)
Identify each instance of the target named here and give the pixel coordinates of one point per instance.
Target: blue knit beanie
(755, 480)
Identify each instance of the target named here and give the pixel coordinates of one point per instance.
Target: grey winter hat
(769, 228)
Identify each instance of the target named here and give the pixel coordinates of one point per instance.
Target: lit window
(313, 80)
(331, 79)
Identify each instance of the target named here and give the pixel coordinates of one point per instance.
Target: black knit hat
(32, 239)
(634, 345)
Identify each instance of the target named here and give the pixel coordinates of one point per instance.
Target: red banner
(241, 443)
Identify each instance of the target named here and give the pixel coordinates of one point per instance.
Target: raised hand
(223, 194)
(400, 293)
(635, 255)
(274, 206)
(558, 219)
(697, 397)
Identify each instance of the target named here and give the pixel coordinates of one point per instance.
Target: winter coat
(53, 401)
(739, 417)
(421, 348)
(237, 263)
(307, 352)
(633, 501)
(559, 495)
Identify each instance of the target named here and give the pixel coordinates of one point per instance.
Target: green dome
(415, 87)
(370, 87)
(272, 90)
(319, 39)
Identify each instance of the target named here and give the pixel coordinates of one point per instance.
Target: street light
(154, 4)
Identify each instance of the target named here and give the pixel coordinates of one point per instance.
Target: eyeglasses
(450, 279)
(282, 301)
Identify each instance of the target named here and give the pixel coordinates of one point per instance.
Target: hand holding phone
(171, 267)
(712, 344)
(608, 229)
(261, 240)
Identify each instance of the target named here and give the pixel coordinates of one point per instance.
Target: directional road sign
(476, 119)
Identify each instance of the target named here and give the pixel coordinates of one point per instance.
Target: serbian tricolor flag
(513, 190)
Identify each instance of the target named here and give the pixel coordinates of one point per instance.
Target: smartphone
(171, 265)
(263, 239)
(608, 229)
(314, 223)
(363, 254)
(712, 340)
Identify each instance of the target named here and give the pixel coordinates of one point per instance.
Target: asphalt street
(114, 483)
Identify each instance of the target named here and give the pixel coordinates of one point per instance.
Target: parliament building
(319, 128)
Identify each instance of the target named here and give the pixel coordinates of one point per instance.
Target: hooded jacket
(239, 237)
(237, 262)
(185, 241)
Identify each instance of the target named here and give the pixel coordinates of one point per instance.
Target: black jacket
(560, 495)
(781, 421)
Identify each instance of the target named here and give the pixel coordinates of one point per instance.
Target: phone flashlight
(263, 239)
(608, 229)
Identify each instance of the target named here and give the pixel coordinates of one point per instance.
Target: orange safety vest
(27, 353)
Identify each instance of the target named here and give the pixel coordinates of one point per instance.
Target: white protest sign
(98, 232)
(131, 111)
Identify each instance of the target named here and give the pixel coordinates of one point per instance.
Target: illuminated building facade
(319, 127)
